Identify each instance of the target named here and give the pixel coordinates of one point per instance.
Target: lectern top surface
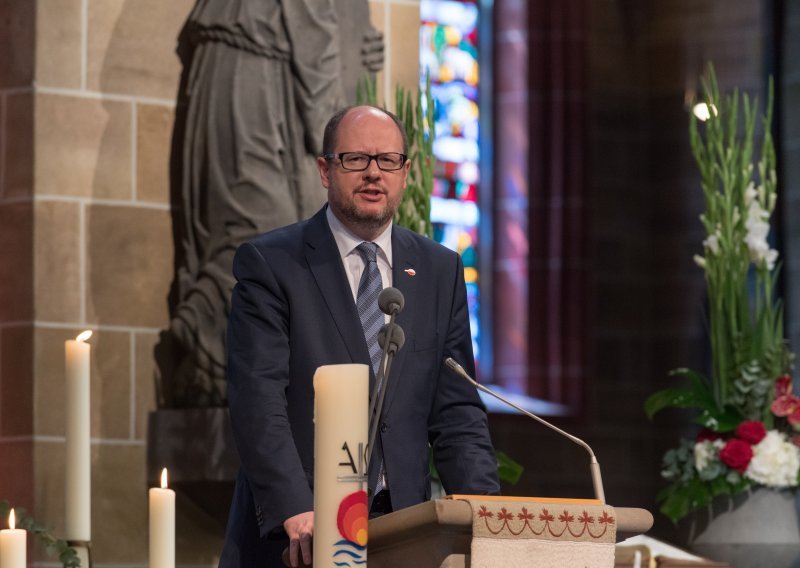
(563, 500)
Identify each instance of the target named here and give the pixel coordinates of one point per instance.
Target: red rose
(736, 454)
(707, 435)
(751, 431)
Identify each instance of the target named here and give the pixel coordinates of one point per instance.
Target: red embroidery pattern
(544, 521)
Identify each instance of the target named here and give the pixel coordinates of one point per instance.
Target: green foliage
(417, 116)
(746, 321)
(748, 350)
(55, 547)
(690, 489)
(508, 470)
(697, 395)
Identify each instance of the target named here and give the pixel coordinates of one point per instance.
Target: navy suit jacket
(293, 311)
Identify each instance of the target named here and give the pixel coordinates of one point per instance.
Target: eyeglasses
(358, 162)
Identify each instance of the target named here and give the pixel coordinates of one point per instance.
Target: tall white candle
(341, 404)
(13, 545)
(79, 461)
(162, 525)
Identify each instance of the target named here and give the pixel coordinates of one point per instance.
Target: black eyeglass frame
(340, 156)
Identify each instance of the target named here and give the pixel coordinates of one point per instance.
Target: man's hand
(300, 529)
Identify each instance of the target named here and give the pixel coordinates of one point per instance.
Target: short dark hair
(332, 128)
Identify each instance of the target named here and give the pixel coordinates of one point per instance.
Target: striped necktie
(367, 301)
(371, 320)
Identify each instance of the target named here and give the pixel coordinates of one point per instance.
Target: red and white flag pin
(410, 271)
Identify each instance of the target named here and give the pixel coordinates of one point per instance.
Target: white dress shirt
(353, 262)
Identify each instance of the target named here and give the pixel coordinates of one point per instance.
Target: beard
(351, 214)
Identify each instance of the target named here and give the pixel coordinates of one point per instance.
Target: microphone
(391, 301)
(594, 466)
(391, 338)
(394, 334)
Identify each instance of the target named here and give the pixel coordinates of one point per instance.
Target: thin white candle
(341, 401)
(13, 545)
(162, 525)
(78, 458)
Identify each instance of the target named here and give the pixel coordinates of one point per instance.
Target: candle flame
(84, 336)
(12, 520)
(164, 478)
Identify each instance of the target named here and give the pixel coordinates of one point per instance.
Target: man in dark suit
(294, 309)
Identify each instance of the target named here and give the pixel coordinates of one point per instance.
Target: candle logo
(352, 517)
(352, 523)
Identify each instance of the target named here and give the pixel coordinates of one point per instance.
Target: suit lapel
(326, 265)
(404, 263)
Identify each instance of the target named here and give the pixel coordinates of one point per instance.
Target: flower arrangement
(748, 412)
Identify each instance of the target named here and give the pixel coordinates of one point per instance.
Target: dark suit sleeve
(258, 376)
(458, 428)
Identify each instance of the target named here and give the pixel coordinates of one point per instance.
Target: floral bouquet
(748, 413)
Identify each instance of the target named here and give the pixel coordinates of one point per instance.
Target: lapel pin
(410, 271)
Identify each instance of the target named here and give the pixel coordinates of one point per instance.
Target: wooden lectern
(439, 533)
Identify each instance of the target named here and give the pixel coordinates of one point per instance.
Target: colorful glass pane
(449, 52)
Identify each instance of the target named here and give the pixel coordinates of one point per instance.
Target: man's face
(365, 201)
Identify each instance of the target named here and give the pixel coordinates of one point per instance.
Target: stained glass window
(449, 52)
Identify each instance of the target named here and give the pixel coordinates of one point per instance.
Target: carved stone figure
(260, 79)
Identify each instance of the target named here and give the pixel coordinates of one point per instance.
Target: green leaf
(67, 555)
(508, 470)
(673, 398)
(680, 500)
(726, 421)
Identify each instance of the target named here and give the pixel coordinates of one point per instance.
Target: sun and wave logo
(352, 523)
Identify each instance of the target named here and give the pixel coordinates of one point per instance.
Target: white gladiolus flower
(775, 462)
(699, 261)
(705, 452)
(712, 243)
(750, 193)
(757, 226)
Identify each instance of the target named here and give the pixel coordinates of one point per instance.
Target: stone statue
(260, 79)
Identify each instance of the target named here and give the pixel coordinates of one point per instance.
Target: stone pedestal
(197, 448)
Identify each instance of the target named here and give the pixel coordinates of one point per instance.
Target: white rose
(775, 462)
(705, 452)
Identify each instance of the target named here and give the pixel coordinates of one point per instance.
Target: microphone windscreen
(391, 301)
(397, 339)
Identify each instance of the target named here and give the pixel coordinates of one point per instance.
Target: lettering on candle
(357, 473)
(350, 461)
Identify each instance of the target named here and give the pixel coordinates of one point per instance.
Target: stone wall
(87, 91)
